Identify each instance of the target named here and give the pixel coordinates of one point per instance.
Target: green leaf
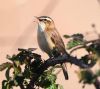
(95, 48)
(18, 79)
(53, 86)
(98, 73)
(8, 57)
(4, 84)
(17, 70)
(5, 65)
(66, 36)
(7, 73)
(89, 59)
(29, 49)
(77, 39)
(73, 43)
(16, 83)
(17, 63)
(60, 86)
(87, 76)
(47, 79)
(11, 58)
(8, 86)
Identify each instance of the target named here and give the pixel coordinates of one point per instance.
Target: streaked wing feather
(57, 40)
(59, 44)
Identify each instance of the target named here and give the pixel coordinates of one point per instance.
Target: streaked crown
(45, 18)
(46, 22)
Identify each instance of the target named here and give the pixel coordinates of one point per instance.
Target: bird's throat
(42, 26)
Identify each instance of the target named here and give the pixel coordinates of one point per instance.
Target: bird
(50, 41)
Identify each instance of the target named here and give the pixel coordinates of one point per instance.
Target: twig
(21, 86)
(74, 49)
(97, 84)
(84, 45)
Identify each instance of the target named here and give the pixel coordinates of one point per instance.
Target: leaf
(95, 48)
(89, 59)
(16, 83)
(93, 25)
(57, 66)
(5, 65)
(11, 58)
(17, 63)
(29, 49)
(17, 70)
(53, 86)
(8, 57)
(7, 73)
(60, 86)
(66, 36)
(98, 73)
(8, 86)
(73, 43)
(47, 79)
(32, 49)
(87, 76)
(78, 36)
(18, 79)
(4, 84)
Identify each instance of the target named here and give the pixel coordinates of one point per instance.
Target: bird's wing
(57, 40)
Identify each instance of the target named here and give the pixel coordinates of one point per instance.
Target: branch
(53, 61)
(84, 46)
(97, 84)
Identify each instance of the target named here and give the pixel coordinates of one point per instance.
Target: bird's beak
(37, 18)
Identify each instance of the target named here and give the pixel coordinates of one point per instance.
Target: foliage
(31, 62)
(76, 39)
(26, 64)
(86, 76)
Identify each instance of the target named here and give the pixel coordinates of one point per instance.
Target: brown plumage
(50, 39)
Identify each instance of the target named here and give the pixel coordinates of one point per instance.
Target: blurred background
(18, 29)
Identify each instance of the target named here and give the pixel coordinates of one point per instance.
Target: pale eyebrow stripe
(46, 19)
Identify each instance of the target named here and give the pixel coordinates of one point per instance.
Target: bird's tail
(64, 68)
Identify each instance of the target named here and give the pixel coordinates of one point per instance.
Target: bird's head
(45, 22)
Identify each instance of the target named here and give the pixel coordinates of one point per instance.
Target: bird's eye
(40, 19)
(44, 19)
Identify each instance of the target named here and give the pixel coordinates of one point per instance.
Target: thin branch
(84, 46)
(76, 48)
(97, 84)
(21, 86)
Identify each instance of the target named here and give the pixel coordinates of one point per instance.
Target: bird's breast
(44, 40)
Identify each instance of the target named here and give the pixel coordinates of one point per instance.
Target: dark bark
(54, 61)
(97, 84)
